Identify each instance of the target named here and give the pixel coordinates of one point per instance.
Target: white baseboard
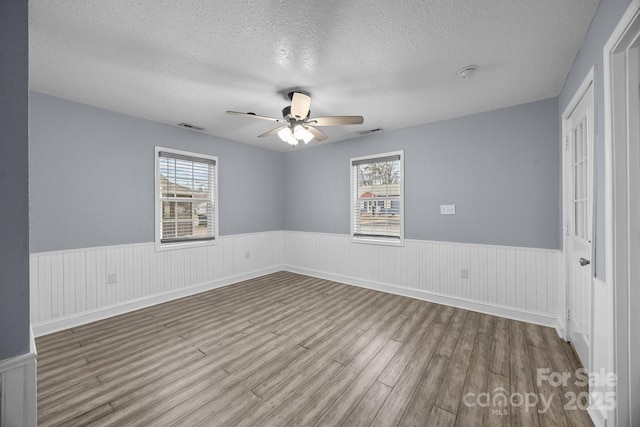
(561, 326)
(598, 418)
(543, 319)
(67, 322)
(18, 388)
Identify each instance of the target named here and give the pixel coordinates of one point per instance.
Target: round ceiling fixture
(467, 72)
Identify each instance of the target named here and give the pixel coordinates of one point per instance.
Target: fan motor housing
(286, 114)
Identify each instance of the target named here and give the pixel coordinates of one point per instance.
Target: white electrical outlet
(112, 278)
(464, 273)
(447, 209)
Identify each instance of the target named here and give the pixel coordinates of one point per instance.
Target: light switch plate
(447, 209)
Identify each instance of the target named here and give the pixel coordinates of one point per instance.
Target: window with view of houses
(377, 198)
(186, 202)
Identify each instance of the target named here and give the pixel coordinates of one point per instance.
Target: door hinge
(567, 229)
(566, 142)
(568, 314)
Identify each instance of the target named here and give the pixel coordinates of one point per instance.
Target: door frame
(587, 83)
(620, 168)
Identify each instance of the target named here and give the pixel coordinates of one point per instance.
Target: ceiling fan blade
(337, 120)
(256, 116)
(271, 132)
(317, 134)
(300, 104)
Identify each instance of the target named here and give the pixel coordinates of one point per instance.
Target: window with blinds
(377, 197)
(186, 202)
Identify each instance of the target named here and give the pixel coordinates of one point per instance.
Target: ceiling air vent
(190, 126)
(367, 132)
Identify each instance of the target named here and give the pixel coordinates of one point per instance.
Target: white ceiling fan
(298, 126)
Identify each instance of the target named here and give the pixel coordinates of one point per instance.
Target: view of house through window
(187, 196)
(376, 196)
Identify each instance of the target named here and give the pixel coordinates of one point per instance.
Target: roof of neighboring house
(381, 190)
(180, 190)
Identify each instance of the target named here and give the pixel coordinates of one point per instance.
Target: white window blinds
(187, 186)
(377, 197)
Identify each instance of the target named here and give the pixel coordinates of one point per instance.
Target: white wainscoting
(519, 283)
(18, 387)
(69, 288)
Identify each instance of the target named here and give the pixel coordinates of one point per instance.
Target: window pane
(186, 197)
(376, 198)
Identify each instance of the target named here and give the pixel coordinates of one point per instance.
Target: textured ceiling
(395, 63)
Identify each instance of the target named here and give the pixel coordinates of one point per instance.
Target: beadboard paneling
(520, 279)
(72, 284)
(70, 287)
(18, 390)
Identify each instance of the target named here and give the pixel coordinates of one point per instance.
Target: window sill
(161, 247)
(380, 241)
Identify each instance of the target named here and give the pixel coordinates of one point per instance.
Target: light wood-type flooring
(286, 349)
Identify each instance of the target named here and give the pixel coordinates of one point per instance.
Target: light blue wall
(591, 54)
(92, 177)
(14, 179)
(501, 169)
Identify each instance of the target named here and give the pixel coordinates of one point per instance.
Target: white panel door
(578, 195)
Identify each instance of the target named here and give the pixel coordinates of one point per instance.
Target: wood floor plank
(368, 407)
(71, 385)
(391, 412)
(213, 416)
(314, 410)
(534, 336)
(454, 328)
(82, 400)
(550, 410)
(454, 379)
(569, 390)
(497, 411)
(521, 377)
(339, 411)
(283, 405)
(446, 313)
(389, 317)
(470, 415)
(192, 398)
(220, 398)
(424, 397)
(93, 414)
(350, 320)
(485, 325)
(441, 418)
(396, 367)
(319, 356)
(500, 348)
(155, 405)
(288, 349)
(80, 403)
(407, 329)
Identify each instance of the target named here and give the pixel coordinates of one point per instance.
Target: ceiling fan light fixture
(302, 133)
(287, 136)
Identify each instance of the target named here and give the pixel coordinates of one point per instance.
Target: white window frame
(158, 207)
(377, 240)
